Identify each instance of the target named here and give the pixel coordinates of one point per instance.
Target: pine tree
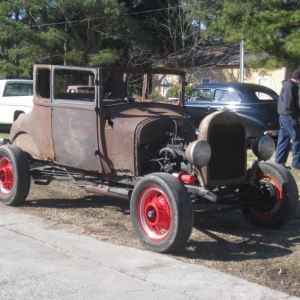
(270, 28)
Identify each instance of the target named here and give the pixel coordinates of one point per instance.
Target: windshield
(139, 87)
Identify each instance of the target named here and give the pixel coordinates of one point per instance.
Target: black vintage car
(257, 104)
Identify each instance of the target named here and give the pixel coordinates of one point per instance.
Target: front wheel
(279, 200)
(14, 175)
(161, 212)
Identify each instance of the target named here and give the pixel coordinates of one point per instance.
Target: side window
(43, 83)
(265, 96)
(194, 96)
(226, 96)
(81, 81)
(201, 95)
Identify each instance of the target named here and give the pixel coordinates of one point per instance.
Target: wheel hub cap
(6, 175)
(155, 214)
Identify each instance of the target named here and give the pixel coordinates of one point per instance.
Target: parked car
(81, 89)
(16, 98)
(257, 104)
(144, 151)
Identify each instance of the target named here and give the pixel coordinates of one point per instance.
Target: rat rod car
(119, 142)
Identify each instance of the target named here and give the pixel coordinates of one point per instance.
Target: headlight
(263, 147)
(198, 153)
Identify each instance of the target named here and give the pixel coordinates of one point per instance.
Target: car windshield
(134, 86)
(18, 89)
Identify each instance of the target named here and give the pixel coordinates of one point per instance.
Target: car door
(74, 118)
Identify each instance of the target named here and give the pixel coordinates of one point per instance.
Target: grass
(4, 131)
(4, 135)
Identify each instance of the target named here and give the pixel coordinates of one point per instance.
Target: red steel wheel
(155, 213)
(272, 196)
(6, 175)
(279, 199)
(14, 175)
(161, 212)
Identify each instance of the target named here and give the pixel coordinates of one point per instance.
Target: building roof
(207, 55)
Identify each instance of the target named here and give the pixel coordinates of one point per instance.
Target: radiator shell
(225, 131)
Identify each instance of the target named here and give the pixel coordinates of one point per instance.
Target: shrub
(188, 88)
(154, 95)
(173, 92)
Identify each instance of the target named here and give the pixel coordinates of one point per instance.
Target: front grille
(228, 159)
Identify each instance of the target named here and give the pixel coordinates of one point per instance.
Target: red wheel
(279, 199)
(155, 213)
(272, 196)
(14, 175)
(161, 212)
(6, 175)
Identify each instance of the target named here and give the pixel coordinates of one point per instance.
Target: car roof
(235, 85)
(17, 80)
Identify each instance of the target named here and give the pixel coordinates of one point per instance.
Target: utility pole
(242, 61)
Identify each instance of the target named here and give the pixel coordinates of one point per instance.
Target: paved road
(40, 260)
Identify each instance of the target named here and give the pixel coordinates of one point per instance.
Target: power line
(92, 19)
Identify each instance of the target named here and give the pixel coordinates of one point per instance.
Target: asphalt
(41, 260)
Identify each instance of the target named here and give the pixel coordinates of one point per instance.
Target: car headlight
(198, 153)
(263, 148)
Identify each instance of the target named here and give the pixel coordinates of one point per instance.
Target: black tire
(14, 176)
(280, 200)
(161, 212)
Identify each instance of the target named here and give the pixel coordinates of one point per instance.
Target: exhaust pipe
(107, 191)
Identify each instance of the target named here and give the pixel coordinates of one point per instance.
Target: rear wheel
(161, 212)
(14, 175)
(280, 197)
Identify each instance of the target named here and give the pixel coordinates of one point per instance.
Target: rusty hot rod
(120, 140)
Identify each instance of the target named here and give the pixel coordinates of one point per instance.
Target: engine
(168, 155)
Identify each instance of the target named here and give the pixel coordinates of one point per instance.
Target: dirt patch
(224, 242)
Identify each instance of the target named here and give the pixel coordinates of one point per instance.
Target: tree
(270, 28)
(16, 53)
(172, 28)
(99, 31)
(87, 32)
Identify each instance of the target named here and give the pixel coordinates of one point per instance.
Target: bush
(173, 92)
(188, 88)
(155, 95)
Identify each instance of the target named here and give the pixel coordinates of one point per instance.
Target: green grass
(4, 135)
(4, 131)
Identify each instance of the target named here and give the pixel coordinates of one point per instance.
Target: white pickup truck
(16, 97)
